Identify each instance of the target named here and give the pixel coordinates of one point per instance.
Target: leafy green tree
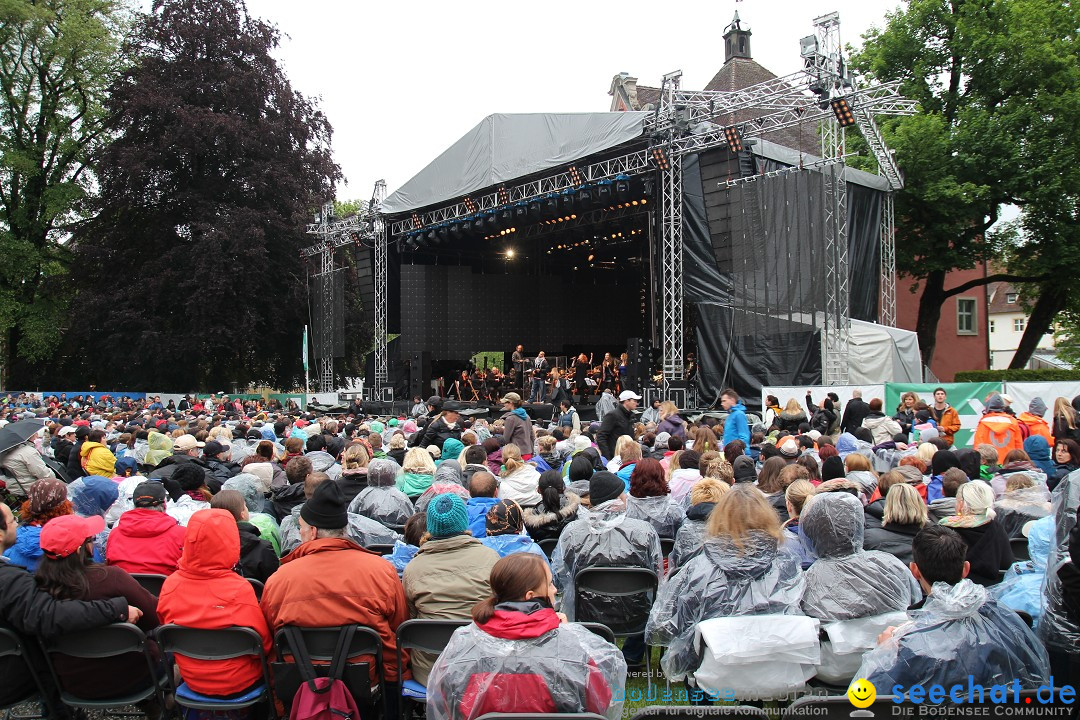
(190, 274)
(997, 84)
(57, 57)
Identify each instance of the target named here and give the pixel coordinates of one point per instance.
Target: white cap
(628, 395)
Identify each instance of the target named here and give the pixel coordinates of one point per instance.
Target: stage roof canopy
(507, 147)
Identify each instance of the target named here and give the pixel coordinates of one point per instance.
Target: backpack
(322, 698)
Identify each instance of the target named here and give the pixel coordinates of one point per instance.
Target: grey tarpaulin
(507, 147)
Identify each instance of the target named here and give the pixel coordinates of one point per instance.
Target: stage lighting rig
(842, 109)
(575, 175)
(660, 159)
(734, 139)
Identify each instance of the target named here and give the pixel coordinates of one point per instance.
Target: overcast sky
(400, 81)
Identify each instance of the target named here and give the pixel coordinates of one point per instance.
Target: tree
(190, 274)
(996, 81)
(57, 57)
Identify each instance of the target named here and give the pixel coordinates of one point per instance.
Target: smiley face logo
(862, 693)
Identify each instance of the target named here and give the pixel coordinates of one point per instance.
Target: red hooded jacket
(206, 593)
(145, 541)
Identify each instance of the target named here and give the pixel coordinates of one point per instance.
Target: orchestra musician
(560, 388)
(493, 386)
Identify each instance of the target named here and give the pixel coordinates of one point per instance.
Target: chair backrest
(321, 643)
(1020, 548)
(427, 635)
(666, 546)
(548, 546)
(695, 712)
(200, 644)
(599, 629)
(102, 642)
(618, 586)
(11, 645)
(380, 548)
(150, 582)
(257, 586)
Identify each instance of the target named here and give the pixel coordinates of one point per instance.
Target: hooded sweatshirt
(206, 593)
(146, 541)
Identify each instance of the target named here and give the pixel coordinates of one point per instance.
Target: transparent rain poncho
(1017, 507)
(664, 514)
(479, 673)
(1056, 629)
(159, 447)
(605, 538)
(959, 632)
(324, 462)
(385, 505)
(764, 578)
(361, 530)
(688, 543)
(1021, 589)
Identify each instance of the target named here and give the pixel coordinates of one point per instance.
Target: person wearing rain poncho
(1060, 628)
(851, 590)
(606, 537)
(1023, 500)
(159, 447)
(649, 499)
(691, 536)
(250, 487)
(361, 530)
(743, 570)
(381, 500)
(520, 656)
(1021, 589)
(505, 528)
(959, 636)
(93, 495)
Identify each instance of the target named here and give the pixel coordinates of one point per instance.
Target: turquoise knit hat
(447, 516)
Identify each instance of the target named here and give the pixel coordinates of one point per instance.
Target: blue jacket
(26, 552)
(478, 509)
(509, 544)
(403, 553)
(736, 427)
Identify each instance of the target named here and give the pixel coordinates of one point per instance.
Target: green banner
(489, 359)
(967, 398)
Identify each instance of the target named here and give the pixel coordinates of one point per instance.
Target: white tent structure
(880, 354)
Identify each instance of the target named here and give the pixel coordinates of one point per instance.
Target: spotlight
(550, 205)
(431, 237)
(504, 197)
(584, 198)
(604, 191)
(575, 175)
(416, 221)
(536, 210)
(842, 110)
(478, 226)
(457, 232)
(521, 213)
(470, 204)
(491, 222)
(660, 159)
(411, 243)
(505, 217)
(566, 202)
(442, 232)
(622, 187)
(734, 139)
(510, 254)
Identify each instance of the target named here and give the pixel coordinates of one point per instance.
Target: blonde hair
(667, 409)
(978, 499)
(419, 461)
(717, 467)
(627, 449)
(926, 452)
(546, 443)
(708, 490)
(904, 506)
(397, 441)
(221, 432)
(798, 493)
(1064, 410)
(792, 406)
(511, 457)
(354, 457)
(673, 463)
(1018, 481)
(740, 511)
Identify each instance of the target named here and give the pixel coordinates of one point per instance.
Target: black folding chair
(380, 548)
(599, 629)
(429, 636)
(257, 586)
(696, 712)
(223, 644)
(321, 644)
(614, 583)
(1020, 548)
(666, 546)
(150, 582)
(11, 646)
(548, 546)
(108, 641)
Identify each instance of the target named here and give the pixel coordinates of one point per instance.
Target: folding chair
(150, 582)
(614, 583)
(98, 644)
(11, 645)
(429, 636)
(1020, 548)
(696, 712)
(666, 546)
(548, 546)
(321, 643)
(257, 586)
(223, 644)
(380, 548)
(599, 629)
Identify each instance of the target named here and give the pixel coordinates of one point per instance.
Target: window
(991, 326)
(1018, 324)
(965, 316)
(1010, 298)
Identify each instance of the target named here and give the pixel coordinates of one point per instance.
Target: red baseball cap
(63, 535)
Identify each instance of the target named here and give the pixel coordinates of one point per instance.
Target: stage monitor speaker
(420, 375)
(638, 351)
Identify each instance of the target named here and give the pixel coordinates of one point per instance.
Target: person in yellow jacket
(96, 458)
(945, 415)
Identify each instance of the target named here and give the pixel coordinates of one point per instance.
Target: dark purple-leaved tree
(189, 275)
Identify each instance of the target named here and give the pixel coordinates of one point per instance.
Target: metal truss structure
(686, 122)
(377, 225)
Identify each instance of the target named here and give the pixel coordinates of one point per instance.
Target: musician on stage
(539, 373)
(493, 385)
(560, 388)
(518, 362)
(607, 374)
(581, 371)
(691, 366)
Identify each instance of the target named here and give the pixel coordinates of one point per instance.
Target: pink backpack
(323, 698)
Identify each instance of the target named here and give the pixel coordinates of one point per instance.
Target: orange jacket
(949, 423)
(334, 581)
(1002, 431)
(1037, 426)
(206, 593)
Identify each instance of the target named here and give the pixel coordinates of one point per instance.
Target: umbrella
(19, 432)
